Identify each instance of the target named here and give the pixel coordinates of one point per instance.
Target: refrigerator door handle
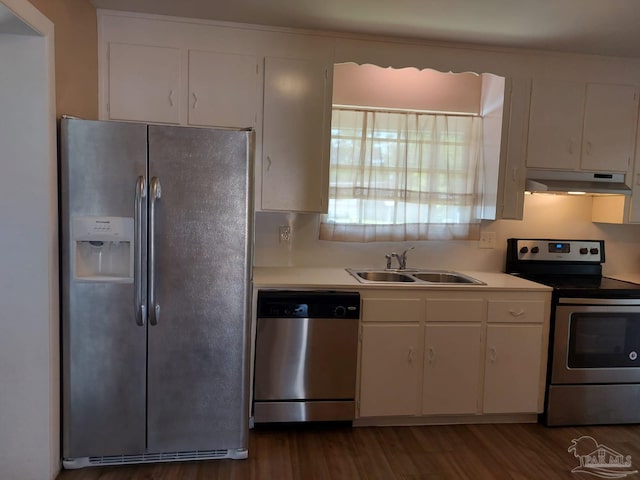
(156, 192)
(140, 306)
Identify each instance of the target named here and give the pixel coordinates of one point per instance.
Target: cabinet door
(144, 83)
(555, 125)
(297, 103)
(390, 370)
(223, 89)
(611, 113)
(512, 368)
(634, 200)
(451, 369)
(514, 145)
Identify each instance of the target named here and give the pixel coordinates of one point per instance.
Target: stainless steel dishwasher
(306, 355)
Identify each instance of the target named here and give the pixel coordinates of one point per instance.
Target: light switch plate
(487, 240)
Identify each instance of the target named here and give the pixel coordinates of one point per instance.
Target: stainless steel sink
(383, 276)
(414, 276)
(445, 277)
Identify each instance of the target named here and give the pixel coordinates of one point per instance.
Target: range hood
(595, 183)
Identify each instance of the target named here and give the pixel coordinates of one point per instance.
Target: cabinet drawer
(519, 311)
(392, 309)
(455, 310)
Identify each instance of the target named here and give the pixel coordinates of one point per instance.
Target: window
(398, 176)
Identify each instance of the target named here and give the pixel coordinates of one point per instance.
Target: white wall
(545, 216)
(29, 343)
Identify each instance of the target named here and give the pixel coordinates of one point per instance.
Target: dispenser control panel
(103, 228)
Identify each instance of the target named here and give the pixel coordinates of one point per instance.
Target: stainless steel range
(594, 369)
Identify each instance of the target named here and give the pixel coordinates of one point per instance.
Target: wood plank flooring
(327, 452)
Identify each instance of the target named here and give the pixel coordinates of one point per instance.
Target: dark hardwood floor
(474, 452)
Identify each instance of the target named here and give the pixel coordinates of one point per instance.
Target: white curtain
(403, 176)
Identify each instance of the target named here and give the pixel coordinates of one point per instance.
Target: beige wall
(545, 216)
(406, 88)
(76, 41)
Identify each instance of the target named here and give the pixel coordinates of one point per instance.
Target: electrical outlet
(487, 240)
(284, 234)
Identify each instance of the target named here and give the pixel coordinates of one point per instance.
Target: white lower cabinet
(451, 369)
(512, 368)
(391, 355)
(390, 370)
(443, 353)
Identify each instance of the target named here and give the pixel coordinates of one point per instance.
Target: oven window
(601, 340)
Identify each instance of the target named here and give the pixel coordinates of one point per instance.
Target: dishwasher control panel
(289, 304)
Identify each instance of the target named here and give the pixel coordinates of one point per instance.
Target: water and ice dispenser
(103, 249)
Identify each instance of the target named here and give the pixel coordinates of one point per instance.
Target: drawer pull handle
(493, 355)
(432, 355)
(410, 356)
(517, 313)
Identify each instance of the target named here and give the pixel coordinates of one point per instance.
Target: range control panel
(557, 250)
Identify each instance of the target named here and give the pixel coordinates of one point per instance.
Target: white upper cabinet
(610, 120)
(578, 126)
(514, 144)
(223, 89)
(296, 130)
(144, 83)
(555, 125)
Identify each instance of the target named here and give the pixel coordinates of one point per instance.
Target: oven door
(596, 341)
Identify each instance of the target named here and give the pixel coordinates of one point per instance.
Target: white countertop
(314, 277)
(626, 277)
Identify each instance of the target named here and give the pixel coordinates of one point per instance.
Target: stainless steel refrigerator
(156, 246)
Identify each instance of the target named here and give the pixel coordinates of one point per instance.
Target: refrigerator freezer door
(102, 344)
(197, 362)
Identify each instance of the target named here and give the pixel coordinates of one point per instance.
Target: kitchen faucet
(402, 259)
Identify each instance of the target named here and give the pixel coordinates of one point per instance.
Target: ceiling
(604, 27)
